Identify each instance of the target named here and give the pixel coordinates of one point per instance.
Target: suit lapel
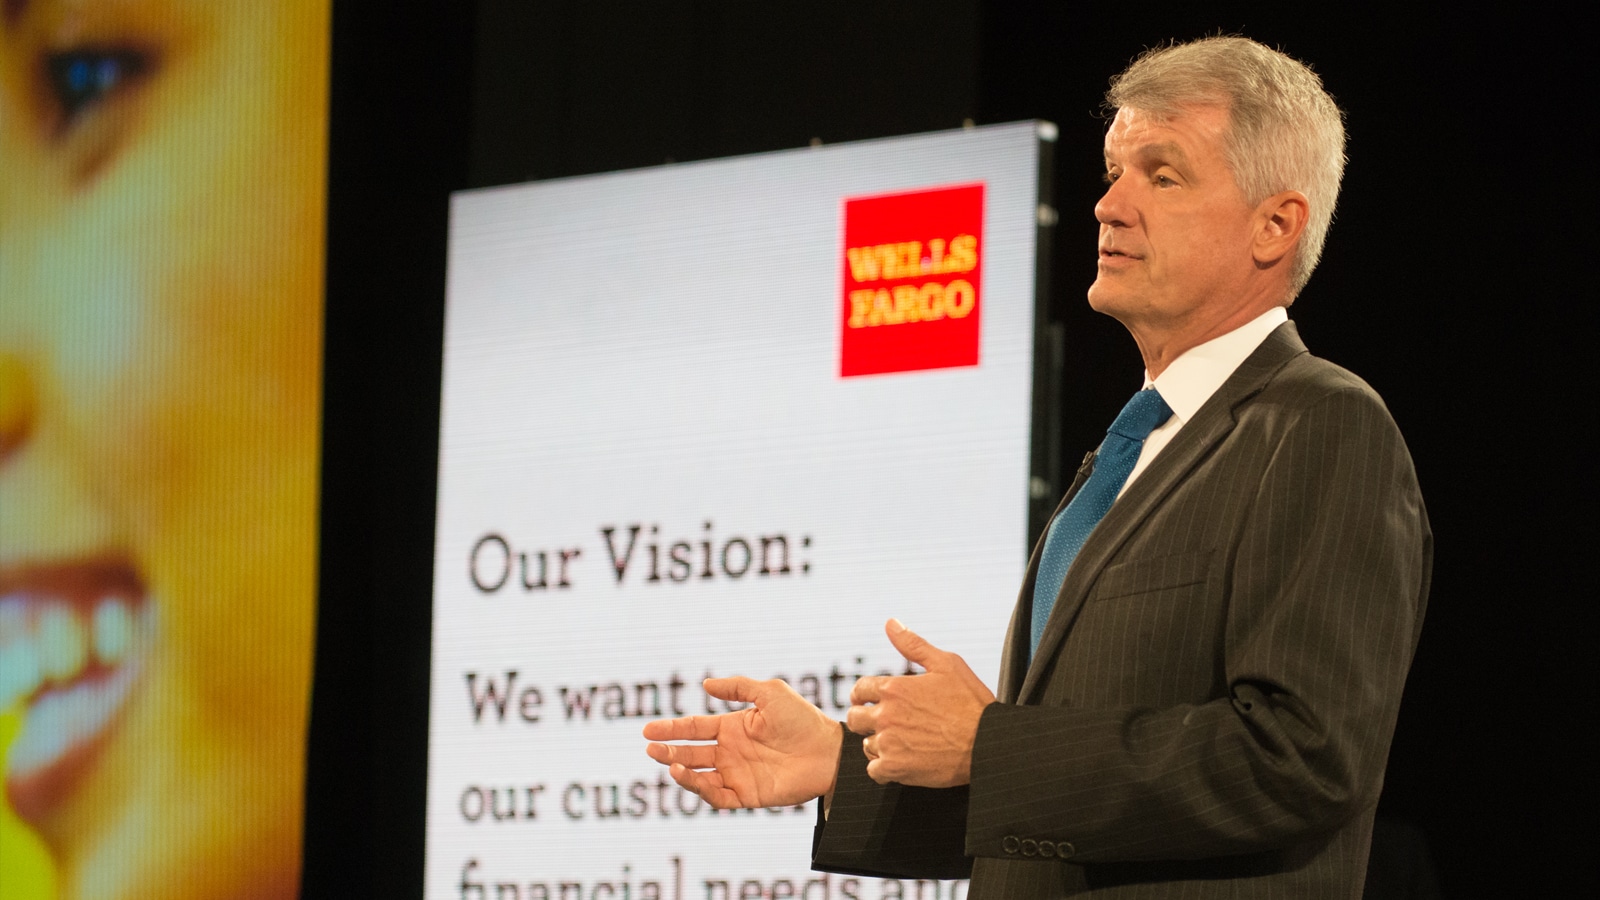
(1014, 656)
(1194, 443)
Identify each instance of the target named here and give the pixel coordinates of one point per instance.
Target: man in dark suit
(1203, 671)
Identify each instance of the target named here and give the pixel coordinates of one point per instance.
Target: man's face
(1175, 230)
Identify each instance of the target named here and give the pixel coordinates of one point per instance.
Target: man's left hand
(919, 728)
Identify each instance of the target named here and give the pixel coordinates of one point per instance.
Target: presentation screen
(711, 419)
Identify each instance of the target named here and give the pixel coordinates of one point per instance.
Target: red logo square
(911, 281)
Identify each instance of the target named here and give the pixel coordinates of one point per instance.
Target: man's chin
(1107, 298)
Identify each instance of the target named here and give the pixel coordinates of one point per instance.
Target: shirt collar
(1190, 380)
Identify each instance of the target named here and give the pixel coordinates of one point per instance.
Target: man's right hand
(780, 752)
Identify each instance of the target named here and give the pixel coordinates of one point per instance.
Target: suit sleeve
(1322, 589)
(889, 831)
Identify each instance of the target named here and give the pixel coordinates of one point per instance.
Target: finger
(868, 689)
(708, 785)
(737, 687)
(693, 756)
(688, 728)
(878, 771)
(912, 645)
(862, 720)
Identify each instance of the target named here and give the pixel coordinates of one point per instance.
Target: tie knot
(1143, 414)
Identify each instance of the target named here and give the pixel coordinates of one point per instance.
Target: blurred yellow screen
(162, 170)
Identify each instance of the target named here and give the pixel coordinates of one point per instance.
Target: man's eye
(1109, 177)
(80, 78)
(1164, 181)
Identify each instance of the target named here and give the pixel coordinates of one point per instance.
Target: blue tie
(1112, 464)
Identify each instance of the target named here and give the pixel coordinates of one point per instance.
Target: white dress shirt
(1190, 380)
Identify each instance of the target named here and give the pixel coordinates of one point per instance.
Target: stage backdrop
(709, 419)
(161, 225)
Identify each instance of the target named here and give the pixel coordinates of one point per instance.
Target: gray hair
(1284, 132)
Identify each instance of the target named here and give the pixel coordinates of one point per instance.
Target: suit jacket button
(1010, 844)
(1047, 849)
(1030, 847)
(1064, 849)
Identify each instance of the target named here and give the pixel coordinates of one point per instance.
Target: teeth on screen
(13, 620)
(19, 671)
(113, 630)
(44, 642)
(63, 647)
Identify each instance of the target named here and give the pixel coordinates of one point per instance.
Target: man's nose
(1114, 207)
(16, 404)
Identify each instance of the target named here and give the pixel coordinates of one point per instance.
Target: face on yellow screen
(161, 208)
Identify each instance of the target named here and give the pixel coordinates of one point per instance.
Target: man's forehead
(1164, 132)
(1169, 150)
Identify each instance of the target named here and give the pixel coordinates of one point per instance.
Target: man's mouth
(71, 643)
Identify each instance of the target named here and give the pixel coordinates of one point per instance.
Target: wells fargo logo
(911, 287)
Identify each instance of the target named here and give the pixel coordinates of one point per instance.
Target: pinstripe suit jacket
(1210, 707)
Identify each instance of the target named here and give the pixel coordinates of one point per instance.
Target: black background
(1453, 281)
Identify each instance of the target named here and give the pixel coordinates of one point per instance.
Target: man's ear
(1280, 219)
